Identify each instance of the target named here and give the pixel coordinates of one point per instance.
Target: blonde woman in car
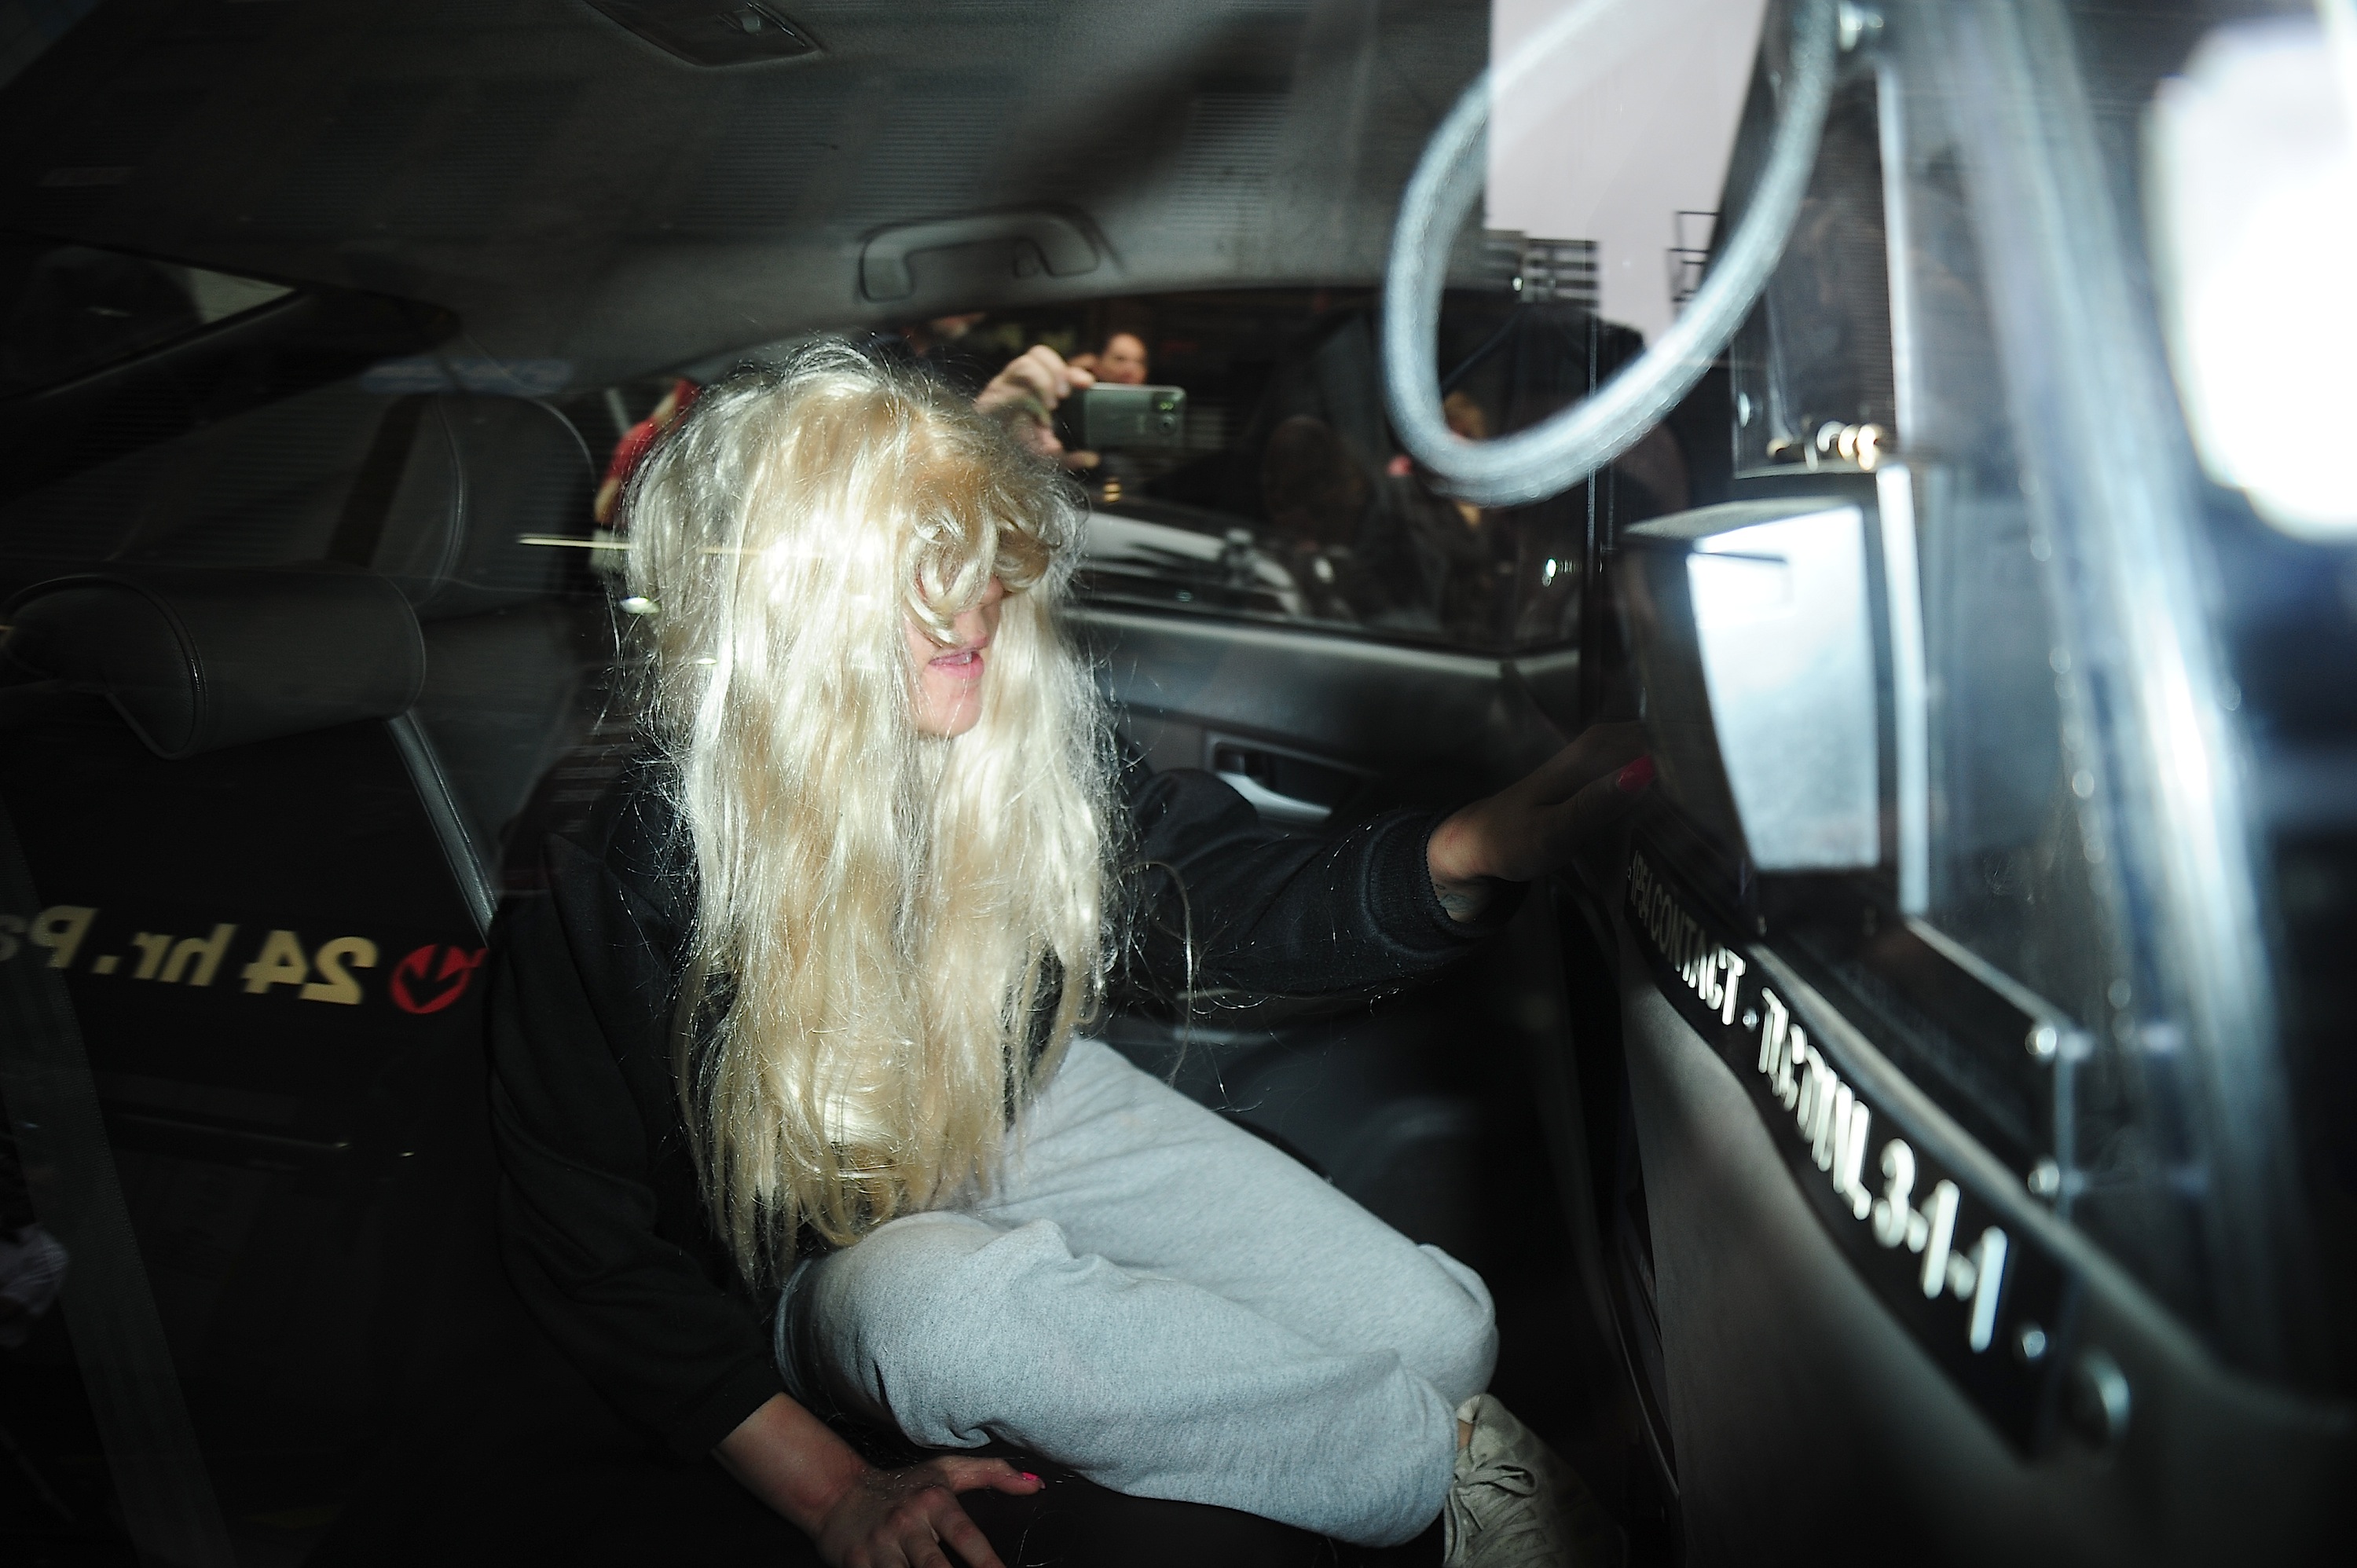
(797, 1104)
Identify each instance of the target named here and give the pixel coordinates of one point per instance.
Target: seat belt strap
(369, 503)
(159, 1473)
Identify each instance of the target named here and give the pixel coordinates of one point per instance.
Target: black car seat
(447, 496)
(256, 890)
(328, 1167)
(250, 873)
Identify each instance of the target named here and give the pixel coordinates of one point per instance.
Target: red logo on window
(434, 977)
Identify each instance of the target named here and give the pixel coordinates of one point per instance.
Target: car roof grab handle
(1041, 236)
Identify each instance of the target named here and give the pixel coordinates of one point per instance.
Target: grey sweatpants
(1165, 1304)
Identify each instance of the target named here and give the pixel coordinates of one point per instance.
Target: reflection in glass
(65, 310)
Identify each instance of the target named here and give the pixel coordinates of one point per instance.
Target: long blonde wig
(898, 932)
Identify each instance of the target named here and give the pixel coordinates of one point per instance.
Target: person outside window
(636, 443)
(1121, 363)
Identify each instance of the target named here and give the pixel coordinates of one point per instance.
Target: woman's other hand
(887, 1519)
(862, 1517)
(1027, 393)
(1531, 828)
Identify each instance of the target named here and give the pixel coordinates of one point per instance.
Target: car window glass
(1278, 493)
(1872, 350)
(67, 309)
(2020, 870)
(1813, 365)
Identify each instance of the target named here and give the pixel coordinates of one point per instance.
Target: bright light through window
(2253, 171)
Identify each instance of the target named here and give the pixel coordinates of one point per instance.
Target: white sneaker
(1516, 1504)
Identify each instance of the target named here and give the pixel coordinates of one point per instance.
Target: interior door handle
(1282, 786)
(1061, 245)
(1272, 805)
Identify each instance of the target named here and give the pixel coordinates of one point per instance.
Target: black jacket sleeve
(1270, 915)
(604, 1234)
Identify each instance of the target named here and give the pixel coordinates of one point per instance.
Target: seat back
(257, 901)
(440, 494)
(308, 1174)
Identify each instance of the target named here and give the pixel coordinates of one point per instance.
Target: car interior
(1924, 1134)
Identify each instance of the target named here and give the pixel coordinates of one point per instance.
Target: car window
(1275, 491)
(2014, 863)
(2009, 950)
(1291, 499)
(67, 309)
(1863, 378)
(566, 218)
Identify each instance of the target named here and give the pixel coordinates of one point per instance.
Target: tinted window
(1285, 496)
(67, 309)
(1990, 955)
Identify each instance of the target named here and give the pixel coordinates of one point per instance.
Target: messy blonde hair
(898, 932)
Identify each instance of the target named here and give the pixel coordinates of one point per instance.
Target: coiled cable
(1567, 446)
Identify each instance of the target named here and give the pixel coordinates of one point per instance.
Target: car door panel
(1809, 1422)
(1373, 705)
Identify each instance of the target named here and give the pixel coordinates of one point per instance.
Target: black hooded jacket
(605, 1234)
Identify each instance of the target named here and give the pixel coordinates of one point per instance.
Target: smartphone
(1106, 418)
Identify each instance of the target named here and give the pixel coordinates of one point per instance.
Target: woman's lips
(964, 664)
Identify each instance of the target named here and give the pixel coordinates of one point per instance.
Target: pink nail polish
(1633, 778)
(1029, 1476)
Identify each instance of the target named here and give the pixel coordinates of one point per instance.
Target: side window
(1240, 465)
(2010, 867)
(65, 310)
(2016, 866)
(1280, 494)
(1988, 954)
(2001, 863)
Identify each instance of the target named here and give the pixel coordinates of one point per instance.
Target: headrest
(196, 661)
(483, 474)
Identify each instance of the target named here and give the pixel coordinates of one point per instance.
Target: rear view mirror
(1752, 634)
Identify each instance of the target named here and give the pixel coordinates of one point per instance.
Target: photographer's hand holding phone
(1055, 407)
(1027, 393)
